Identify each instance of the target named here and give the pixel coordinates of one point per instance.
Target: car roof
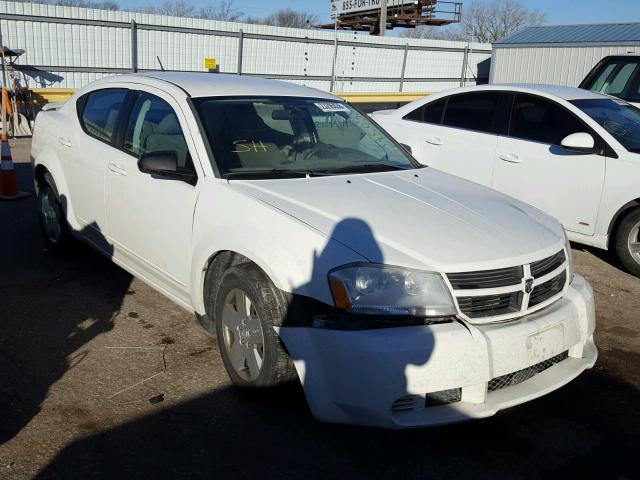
(560, 91)
(205, 84)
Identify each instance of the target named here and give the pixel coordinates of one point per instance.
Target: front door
(149, 218)
(533, 167)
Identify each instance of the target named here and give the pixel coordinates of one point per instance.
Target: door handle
(64, 141)
(433, 140)
(116, 168)
(510, 158)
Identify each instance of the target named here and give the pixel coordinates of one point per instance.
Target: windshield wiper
(363, 168)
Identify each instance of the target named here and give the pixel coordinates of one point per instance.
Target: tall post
(383, 18)
(404, 65)
(333, 64)
(464, 66)
(134, 46)
(240, 47)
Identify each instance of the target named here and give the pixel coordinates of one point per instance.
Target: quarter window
(100, 112)
(154, 127)
(473, 111)
(540, 120)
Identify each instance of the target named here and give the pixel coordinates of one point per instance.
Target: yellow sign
(210, 63)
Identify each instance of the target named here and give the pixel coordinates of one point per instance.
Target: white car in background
(315, 246)
(573, 153)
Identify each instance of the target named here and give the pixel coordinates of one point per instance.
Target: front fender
(295, 256)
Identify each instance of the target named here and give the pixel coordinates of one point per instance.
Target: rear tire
(627, 241)
(53, 222)
(247, 307)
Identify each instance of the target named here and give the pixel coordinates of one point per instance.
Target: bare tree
(287, 17)
(485, 22)
(175, 8)
(224, 10)
(434, 33)
(491, 22)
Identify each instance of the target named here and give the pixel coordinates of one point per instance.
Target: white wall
(558, 65)
(63, 54)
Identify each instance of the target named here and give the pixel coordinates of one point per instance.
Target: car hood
(421, 218)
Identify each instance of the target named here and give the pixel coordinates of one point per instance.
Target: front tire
(53, 222)
(627, 242)
(247, 307)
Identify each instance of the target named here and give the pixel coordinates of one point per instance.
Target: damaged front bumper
(395, 377)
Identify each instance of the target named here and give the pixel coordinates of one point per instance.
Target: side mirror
(579, 142)
(164, 165)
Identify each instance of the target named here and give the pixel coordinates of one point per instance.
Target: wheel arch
(210, 271)
(619, 215)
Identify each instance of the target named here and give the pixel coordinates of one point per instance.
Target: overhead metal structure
(365, 15)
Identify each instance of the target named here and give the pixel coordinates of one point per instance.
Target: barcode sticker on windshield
(331, 106)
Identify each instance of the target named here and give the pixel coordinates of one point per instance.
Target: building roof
(588, 33)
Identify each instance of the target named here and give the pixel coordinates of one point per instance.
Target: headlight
(384, 290)
(567, 249)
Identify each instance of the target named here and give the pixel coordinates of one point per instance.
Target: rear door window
(541, 120)
(429, 113)
(100, 113)
(472, 111)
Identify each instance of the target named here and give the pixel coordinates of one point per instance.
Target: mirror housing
(580, 142)
(164, 165)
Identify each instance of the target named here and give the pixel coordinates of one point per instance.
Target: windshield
(287, 136)
(617, 117)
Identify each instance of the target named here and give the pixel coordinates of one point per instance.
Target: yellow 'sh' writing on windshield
(244, 146)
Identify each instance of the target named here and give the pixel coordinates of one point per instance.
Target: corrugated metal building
(69, 46)
(559, 54)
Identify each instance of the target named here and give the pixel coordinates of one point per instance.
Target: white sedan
(573, 153)
(315, 247)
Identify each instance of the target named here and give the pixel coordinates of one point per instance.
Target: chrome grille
(548, 265)
(520, 376)
(506, 293)
(489, 305)
(548, 289)
(486, 278)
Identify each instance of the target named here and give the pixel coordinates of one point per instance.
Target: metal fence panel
(69, 46)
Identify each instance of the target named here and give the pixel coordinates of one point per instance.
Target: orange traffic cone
(8, 183)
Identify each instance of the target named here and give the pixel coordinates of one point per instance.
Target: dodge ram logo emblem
(528, 285)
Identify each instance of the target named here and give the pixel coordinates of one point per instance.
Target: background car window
(429, 113)
(619, 77)
(101, 111)
(473, 111)
(154, 127)
(540, 120)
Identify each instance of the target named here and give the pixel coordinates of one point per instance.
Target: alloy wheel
(633, 242)
(243, 335)
(50, 219)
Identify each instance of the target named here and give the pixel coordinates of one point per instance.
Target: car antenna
(161, 67)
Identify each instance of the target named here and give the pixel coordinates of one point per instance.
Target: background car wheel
(52, 219)
(247, 307)
(627, 241)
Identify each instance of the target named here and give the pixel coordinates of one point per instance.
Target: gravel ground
(102, 377)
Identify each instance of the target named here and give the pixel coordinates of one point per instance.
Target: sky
(558, 11)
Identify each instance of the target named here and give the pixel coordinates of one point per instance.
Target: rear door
(457, 134)
(533, 167)
(149, 218)
(86, 152)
